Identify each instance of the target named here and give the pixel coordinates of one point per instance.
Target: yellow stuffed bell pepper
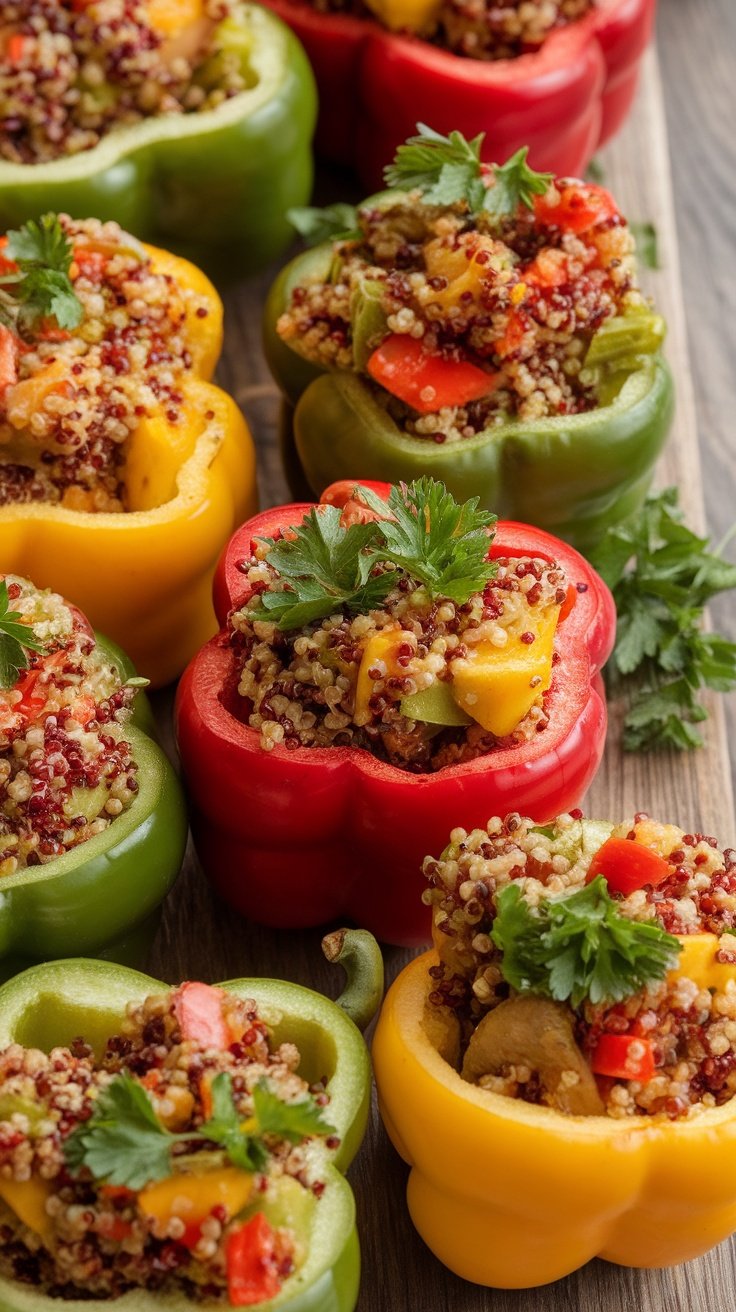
(130, 526)
(515, 1193)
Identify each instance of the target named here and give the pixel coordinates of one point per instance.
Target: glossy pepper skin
(563, 102)
(144, 576)
(51, 1004)
(521, 1194)
(574, 475)
(102, 897)
(296, 838)
(214, 186)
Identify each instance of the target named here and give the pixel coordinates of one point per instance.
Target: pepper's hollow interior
(50, 1019)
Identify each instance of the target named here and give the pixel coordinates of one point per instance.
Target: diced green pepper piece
(368, 319)
(583, 838)
(434, 705)
(620, 340)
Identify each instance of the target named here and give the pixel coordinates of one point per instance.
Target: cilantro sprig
(124, 1143)
(579, 947)
(40, 288)
(423, 532)
(448, 170)
(16, 639)
(662, 575)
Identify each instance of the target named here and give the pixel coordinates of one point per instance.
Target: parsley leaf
(437, 540)
(225, 1127)
(327, 568)
(423, 531)
(41, 288)
(338, 222)
(662, 575)
(444, 169)
(516, 184)
(123, 1142)
(294, 1121)
(16, 638)
(579, 947)
(448, 170)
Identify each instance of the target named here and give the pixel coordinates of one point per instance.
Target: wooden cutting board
(200, 938)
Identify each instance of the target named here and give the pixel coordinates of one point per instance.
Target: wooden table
(688, 92)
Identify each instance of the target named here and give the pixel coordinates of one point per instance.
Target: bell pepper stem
(360, 956)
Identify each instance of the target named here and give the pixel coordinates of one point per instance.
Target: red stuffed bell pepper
(563, 100)
(432, 682)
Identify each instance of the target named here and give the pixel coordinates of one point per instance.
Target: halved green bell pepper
(103, 897)
(215, 186)
(572, 475)
(51, 1004)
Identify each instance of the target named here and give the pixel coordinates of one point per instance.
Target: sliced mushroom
(534, 1032)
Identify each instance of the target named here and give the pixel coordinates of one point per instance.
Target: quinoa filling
(66, 770)
(418, 679)
(479, 29)
(90, 1208)
(460, 320)
(71, 399)
(72, 72)
(653, 1038)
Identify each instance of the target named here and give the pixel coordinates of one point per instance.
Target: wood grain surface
(687, 90)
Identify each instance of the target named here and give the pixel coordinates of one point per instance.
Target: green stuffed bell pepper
(205, 1139)
(202, 148)
(92, 817)
(488, 332)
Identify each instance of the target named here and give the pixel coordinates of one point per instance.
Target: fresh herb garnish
(449, 169)
(424, 532)
(330, 223)
(327, 568)
(579, 947)
(439, 541)
(41, 287)
(16, 638)
(124, 1143)
(647, 243)
(662, 575)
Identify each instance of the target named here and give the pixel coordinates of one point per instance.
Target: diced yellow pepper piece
(381, 648)
(497, 686)
(405, 15)
(464, 275)
(169, 16)
(192, 1197)
(698, 961)
(28, 1200)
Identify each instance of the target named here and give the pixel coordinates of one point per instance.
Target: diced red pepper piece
(15, 48)
(579, 206)
(624, 1057)
(571, 597)
(8, 358)
(198, 1009)
(425, 381)
(627, 865)
(252, 1273)
(345, 494)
